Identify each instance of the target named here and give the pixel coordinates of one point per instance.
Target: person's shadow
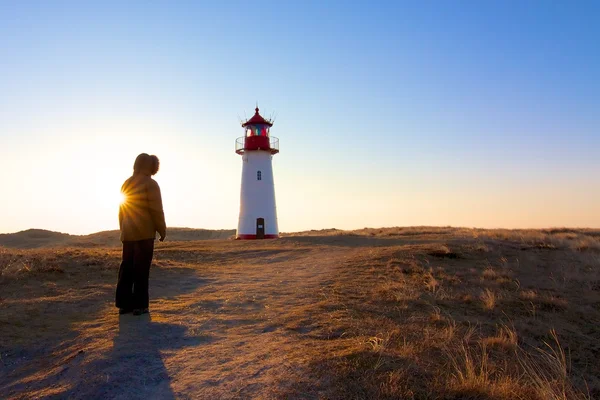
(134, 368)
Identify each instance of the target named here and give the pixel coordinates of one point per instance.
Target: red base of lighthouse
(253, 237)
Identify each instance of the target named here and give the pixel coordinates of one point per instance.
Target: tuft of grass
(379, 346)
(488, 298)
(431, 283)
(409, 267)
(490, 274)
(481, 247)
(469, 372)
(528, 295)
(506, 338)
(436, 315)
(552, 303)
(473, 375)
(548, 372)
(543, 374)
(444, 252)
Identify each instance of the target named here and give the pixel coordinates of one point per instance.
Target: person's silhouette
(140, 217)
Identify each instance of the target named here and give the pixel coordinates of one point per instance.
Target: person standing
(141, 215)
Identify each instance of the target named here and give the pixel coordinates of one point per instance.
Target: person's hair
(142, 163)
(154, 164)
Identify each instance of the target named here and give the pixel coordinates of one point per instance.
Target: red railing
(240, 145)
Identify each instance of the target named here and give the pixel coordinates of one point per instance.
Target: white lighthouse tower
(258, 213)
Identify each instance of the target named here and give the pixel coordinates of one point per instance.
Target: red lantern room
(257, 136)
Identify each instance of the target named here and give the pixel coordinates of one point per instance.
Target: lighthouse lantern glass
(257, 130)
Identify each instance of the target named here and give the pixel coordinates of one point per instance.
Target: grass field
(410, 313)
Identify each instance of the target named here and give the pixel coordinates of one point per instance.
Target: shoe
(125, 310)
(140, 311)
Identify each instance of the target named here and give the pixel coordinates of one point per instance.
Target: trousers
(134, 272)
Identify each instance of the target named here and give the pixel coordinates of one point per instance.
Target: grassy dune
(40, 238)
(421, 313)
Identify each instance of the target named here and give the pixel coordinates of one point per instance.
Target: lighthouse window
(259, 175)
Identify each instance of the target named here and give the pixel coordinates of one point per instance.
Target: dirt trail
(226, 327)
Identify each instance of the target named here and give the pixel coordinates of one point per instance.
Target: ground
(392, 313)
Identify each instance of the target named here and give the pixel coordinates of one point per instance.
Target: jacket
(141, 212)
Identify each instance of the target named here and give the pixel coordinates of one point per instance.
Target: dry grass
(488, 298)
(440, 313)
(548, 371)
(473, 375)
(506, 338)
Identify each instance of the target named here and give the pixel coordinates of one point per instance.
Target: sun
(122, 199)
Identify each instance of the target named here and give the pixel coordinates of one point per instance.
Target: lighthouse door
(260, 228)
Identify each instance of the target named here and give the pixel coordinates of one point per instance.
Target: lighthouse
(258, 213)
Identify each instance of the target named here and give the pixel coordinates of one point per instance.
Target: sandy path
(230, 328)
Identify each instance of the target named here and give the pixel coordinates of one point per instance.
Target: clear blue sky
(462, 113)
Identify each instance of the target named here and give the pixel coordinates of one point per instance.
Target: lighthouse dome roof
(257, 119)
